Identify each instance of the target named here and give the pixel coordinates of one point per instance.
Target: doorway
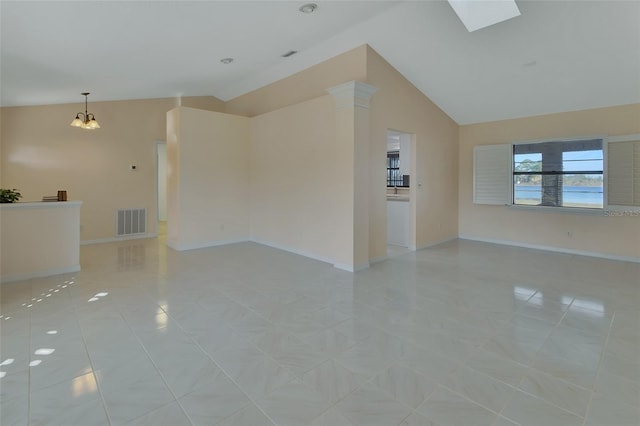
(400, 202)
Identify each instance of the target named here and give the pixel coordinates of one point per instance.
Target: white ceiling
(557, 56)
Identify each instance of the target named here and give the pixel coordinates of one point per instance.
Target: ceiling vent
(290, 53)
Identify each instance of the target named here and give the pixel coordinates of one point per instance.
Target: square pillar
(352, 174)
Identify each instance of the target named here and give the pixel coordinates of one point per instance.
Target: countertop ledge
(40, 204)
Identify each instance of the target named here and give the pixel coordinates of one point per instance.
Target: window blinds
(492, 174)
(623, 168)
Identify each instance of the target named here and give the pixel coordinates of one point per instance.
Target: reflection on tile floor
(464, 333)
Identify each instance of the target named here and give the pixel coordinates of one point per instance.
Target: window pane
(583, 191)
(582, 161)
(528, 191)
(527, 162)
(527, 188)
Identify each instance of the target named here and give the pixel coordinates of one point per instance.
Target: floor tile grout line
(353, 391)
(222, 370)
(556, 326)
(598, 370)
(412, 409)
(30, 346)
(29, 358)
(93, 370)
(155, 366)
(551, 403)
(295, 377)
(531, 366)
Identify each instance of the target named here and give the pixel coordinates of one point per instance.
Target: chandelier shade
(85, 120)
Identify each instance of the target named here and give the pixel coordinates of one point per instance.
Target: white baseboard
(185, 247)
(552, 248)
(271, 244)
(205, 244)
(432, 244)
(351, 268)
(39, 274)
(292, 250)
(118, 239)
(378, 259)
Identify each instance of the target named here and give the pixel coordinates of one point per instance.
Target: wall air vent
(131, 222)
(290, 53)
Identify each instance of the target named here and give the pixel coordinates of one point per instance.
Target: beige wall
(302, 86)
(292, 178)
(294, 115)
(283, 161)
(210, 197)
(41, 154)
(208, 103)
(609, 236)
(398, 105)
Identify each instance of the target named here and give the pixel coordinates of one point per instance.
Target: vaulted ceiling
(557, 56)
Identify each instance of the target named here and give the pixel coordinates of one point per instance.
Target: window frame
(579, 210)
(390, 170)
(493, 179)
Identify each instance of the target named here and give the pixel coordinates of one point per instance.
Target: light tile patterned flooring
(463, 333)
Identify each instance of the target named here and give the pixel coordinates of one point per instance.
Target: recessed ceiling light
(226, 61)
(308, 8)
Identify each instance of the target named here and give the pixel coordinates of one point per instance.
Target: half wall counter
(39, 239)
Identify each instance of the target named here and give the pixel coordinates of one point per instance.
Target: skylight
(477, 14)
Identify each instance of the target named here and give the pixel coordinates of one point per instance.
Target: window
(589, 173)
(394, 178)
(559, 174)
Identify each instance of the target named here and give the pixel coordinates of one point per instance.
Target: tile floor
(464, 333)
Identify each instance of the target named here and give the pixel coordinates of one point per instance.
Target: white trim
(433, 244)
(552, 249)
(41, 204)
(292, 250)
(550, 209)
(118, 239)
(617, 211)
(172, 245)
(345, 267)
(39, 274)
(351, 268)
(379, 259)
(624, 138)
(352, 93)
(206, 244)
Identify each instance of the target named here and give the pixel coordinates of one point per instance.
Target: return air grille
(131, 222)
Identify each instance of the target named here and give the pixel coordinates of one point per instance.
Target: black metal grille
(394, 178)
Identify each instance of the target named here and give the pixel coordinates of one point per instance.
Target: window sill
(565, 210)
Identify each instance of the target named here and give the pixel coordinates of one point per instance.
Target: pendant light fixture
(88, 120)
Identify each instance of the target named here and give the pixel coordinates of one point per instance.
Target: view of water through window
(565, 174)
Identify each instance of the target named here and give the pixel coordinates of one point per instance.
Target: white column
(352, 174)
